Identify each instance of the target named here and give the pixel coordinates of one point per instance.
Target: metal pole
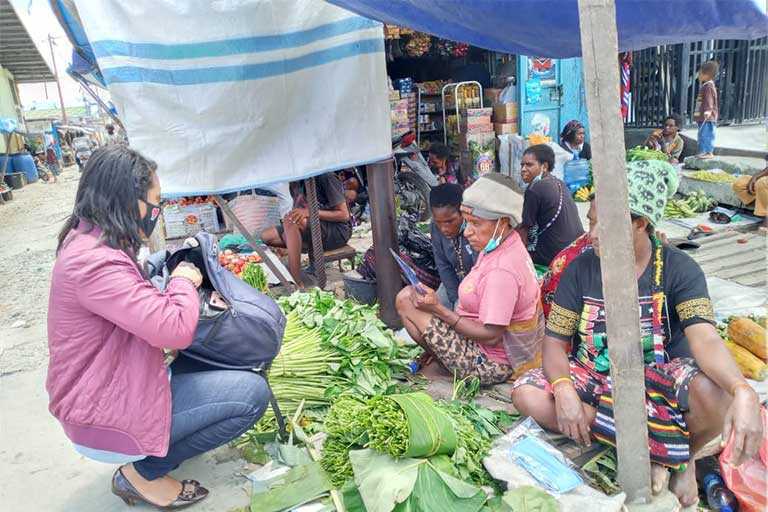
(599, 44)
(381, 192)
(58, 84)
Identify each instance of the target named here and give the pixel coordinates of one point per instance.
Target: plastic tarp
(228, 96)
(550, 28)
(9, 125)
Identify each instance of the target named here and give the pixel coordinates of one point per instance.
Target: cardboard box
(491, 96)
(473, 113)
(505, 128)
(477, 125)
(480, 138)
(505, 113)
(183, 221)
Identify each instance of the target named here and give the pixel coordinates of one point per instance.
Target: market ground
(38, 467)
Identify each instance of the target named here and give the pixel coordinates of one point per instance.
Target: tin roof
(18, 53)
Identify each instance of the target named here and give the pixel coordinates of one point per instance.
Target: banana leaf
(298, 486)
(410, 485)
(430, 430)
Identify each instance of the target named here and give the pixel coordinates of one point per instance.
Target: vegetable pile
(643, 153)
(254, 275)
(332, 347)
(582, 194)
(696, 202)
(747, 340)
(712, 176)
(235, 262)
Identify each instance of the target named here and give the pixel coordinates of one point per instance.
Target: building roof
(18, 53)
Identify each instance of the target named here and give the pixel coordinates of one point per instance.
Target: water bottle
(719, 497)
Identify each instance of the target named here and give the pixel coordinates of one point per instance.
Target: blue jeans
(210, 407)
(707, 137)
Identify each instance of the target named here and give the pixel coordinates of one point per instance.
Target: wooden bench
(345, 252)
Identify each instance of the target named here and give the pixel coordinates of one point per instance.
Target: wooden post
(599, 43)
(381, 193)
(316, 251)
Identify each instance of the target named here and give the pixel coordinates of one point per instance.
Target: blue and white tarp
(226, 96)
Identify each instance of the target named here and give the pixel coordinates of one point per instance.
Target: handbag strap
(282, 432)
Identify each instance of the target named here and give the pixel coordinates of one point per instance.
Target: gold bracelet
(559, 380)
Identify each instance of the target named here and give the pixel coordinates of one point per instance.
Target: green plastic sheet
(430, 430)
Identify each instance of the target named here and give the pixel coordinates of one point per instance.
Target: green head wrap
(651, 184)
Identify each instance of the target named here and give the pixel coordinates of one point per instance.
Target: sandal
(191, 493)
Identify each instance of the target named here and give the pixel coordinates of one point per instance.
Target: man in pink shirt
(496, 331)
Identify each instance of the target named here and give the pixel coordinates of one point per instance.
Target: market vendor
(689, 400)
(439, 160)
(109, 382)
(293, 231)
(572, 139)
(454, 255)
(496, 329)
(668, 140)
(550, 218)
(754, 189)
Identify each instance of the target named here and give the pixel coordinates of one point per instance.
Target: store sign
(227, 96)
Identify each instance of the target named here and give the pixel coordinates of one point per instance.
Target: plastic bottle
(719, 497)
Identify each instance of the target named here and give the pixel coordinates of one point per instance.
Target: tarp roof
(550, 28)
(18, 53)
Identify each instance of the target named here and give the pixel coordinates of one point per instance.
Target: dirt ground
(38, 467)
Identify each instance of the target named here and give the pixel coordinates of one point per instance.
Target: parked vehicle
(83, 151)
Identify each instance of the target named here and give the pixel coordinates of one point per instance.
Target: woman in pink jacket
(108, 381)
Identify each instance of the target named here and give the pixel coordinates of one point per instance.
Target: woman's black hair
(441, 151)
(114, 180)
(543, 154)
(446, 195)
(677, 119)
(649, 228)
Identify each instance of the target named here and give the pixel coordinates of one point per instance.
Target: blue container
(9, 169)
(24, 163)
(576, 174)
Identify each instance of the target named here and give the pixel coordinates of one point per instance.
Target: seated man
(454, 256)
(439, 161)
(293, 232)
(754, 189)
(668, 140)
(690, 400)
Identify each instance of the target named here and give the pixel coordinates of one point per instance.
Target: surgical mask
(148, 222)
(493, 243)
(537, 178)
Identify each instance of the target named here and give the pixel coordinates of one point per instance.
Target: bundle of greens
(346, 425)
(387, 426)
(643, 153)
(254, 275)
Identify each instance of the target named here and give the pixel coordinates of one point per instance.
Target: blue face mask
(493, 243)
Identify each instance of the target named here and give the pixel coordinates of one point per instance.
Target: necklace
(456, 244)
(657, 299)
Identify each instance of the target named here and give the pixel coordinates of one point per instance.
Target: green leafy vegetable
(254, 275)
(643, 153)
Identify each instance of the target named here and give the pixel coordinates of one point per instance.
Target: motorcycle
(413, 177)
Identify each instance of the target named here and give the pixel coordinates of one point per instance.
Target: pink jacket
(107, 325)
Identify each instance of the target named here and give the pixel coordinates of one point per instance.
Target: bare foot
(162, 491)
(659, 476)
(683, 485)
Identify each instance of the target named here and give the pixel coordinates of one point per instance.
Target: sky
(39, 20)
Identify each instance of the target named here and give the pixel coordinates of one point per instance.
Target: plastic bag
(749, 481)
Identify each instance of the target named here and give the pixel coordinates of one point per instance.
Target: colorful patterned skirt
(666, 398)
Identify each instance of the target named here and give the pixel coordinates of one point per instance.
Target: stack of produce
(410, 425)
(643, 153)
(583, 194)
(236, 262)
(418, 45)
(696, 202)
(712, 176)
(332, 347)
(747, 341)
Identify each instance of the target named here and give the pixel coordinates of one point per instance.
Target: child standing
(707, 108)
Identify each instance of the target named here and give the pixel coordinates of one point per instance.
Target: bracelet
(458, 319)
(559, 380)
(739, 385)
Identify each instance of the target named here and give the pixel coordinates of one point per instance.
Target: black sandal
(191, 493)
